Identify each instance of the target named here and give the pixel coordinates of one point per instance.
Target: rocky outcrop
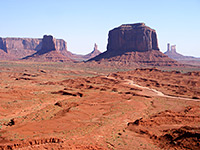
(48, 44)
(17, 144)
(22, 47)
(3, 45)
(61, 46)
(5, 56)
(172, 53)
(86, 57)
(20, 43)
(94, 53)
(18, 48)
(48, 52)
(132, 37)
(134, 43)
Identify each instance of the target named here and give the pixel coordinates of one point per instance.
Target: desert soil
(54, 106)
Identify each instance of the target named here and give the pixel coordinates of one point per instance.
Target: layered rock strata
(134, 43)
(22, 47)
(48, 52)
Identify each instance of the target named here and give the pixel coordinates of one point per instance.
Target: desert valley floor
(60, 106)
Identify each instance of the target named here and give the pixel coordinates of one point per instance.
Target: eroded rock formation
(172, 53)
(94, 53)
(132, 44)
(48, 52)
(48, 44)
(18, 48)
(132, 37)
(86, 57)
(22, 47)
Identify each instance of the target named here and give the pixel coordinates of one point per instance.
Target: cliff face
(134, 44)
(132, 37)
(20, 43)
(48, 44)
(18, 48)
(61, 45)
(21, 47)
(49, 51)
(5, 56)
(3, 45)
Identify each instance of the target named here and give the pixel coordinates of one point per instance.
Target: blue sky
(84, 22)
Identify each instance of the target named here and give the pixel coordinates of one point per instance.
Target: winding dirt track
(152, 92)
(157, 93)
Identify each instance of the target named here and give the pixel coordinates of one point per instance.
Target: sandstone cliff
(18, 48)
(22, 47)
(49, 51)
(132, 37)
(134, 43)
(5, 56)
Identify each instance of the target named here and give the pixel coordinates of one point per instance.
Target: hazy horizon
(83, 23)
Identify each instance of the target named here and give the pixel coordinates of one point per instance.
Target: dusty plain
(78, 106)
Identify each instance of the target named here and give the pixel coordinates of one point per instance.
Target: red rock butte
(19, 48)
(48, 52)
(134, 43)
(132, 37)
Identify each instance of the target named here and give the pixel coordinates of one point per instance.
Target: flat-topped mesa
(133, 44)
(132, 37)
(22, 47)
(130, 26)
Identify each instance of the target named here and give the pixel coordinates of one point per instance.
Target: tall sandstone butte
(134, 43)
(48, 52)
(48, 44)
(132, 37)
